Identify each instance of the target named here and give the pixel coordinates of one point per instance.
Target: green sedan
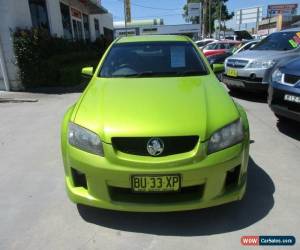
(154, 131)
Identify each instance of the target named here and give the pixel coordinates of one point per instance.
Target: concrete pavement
(36, 213)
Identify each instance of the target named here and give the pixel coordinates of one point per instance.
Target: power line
(148, 7)
(154, 16)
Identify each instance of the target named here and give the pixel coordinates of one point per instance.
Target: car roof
(292, 29)
(228, 41)
(153, 38)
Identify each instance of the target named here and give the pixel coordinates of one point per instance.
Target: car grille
(291, 79)
(186, 194)
(235, 63)
(138, 145)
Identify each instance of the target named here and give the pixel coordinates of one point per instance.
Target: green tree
(215, 13)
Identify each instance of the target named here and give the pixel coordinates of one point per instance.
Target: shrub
(44, 60)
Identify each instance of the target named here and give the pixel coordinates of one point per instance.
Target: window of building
(39, 14)
(86, 27)
(66, 21)
(76, 17)
(97, 27)
(108, 33)
(150, 30)
(77, 27)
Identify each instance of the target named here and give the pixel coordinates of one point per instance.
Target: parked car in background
(239, 35)
(220, 58)
(256, 37)
(284, 91)
(217, 63)
(204, 42)
(219, 47)
(245, 45)
(252, 69)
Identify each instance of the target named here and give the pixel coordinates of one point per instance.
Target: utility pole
(127, 14)
(209, 17)
(220, 17)
(204, 18)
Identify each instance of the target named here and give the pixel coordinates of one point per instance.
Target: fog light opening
(79, 178)
(252, 76)
(232, 177)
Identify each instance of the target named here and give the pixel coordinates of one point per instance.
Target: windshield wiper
(147, 73)
(191, 73)
(167, 73)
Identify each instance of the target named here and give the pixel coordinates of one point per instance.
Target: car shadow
(256, 204)
(289, 128)
(259, 97)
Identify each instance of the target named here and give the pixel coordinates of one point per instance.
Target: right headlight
(84, 139)
(262, 64)
(226, 137)
(277, 76)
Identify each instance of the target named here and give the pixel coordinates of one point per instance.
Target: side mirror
(217, 67)
(87, 71)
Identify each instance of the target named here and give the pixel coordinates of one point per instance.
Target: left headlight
(262, 64)
(277, 76)
(84, 139)
(226, 137)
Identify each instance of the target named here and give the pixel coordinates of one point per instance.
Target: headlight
(226, 137)
(84, 139)
(277, 76)
(261, 64)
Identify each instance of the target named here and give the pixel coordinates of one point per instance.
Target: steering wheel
(125, 66)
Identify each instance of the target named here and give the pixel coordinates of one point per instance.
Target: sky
(171, 10)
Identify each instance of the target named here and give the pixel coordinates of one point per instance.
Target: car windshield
(153, 59)
(279, 41)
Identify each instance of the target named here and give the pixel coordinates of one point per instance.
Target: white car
(246, 46)
(204, 42)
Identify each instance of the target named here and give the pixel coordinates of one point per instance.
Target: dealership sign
(194, 9)
(249, 15)
(282, 9)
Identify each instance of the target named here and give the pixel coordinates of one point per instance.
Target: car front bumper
(216, 179)
(244, 83)
(281, 107)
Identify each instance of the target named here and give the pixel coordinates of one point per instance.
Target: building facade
(70, 19)
(276, 23)
(154, 27)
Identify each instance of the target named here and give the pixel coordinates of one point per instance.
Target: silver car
(252, 69)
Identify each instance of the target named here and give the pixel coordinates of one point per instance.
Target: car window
(222, 46)
(152, 59)
(247, 46)
(211, 46)
(201, 44)
(279, 41)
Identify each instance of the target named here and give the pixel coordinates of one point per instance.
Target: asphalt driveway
(36, 214)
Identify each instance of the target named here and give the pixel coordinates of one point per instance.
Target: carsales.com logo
(268, 240)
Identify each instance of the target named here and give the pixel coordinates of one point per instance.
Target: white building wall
(92, 27)
(13, 13)
(106, 20)
(55, 19)
(16, 13)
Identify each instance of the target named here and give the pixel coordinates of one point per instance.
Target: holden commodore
(154, 131)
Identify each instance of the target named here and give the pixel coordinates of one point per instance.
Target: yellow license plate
(155, 183)
(232, 72)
